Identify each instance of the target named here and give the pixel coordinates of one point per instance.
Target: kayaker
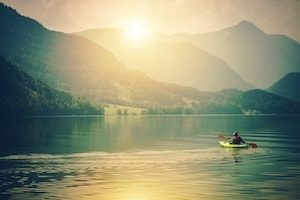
(236, 139)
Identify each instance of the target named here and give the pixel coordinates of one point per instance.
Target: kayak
(227, 144)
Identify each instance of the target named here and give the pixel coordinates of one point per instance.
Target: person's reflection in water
(236, 155)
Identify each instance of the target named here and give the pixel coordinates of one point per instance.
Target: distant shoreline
(152, 115)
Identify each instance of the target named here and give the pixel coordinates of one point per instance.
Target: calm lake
(149, 158)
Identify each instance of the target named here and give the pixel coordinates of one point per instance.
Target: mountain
(288, 86)
(44, 72)
(22, 95)
(76, 65)
(179, 63)
(259, 101)
(232, 101)
(258, 57)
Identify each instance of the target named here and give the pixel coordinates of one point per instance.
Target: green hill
(259, 101)
(288, 86)
(248, 102)
(232, 101)
(22, 95)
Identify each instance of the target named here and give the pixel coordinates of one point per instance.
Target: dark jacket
(236, 140)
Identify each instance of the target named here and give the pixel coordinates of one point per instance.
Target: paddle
(223, 138)
(253, 145)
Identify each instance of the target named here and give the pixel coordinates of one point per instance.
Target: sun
(137, 30)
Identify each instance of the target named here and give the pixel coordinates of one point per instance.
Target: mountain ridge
(193, 66)
(288, 86)
(258, 57)
(77, 65)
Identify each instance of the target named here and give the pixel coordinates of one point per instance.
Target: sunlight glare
(137, 30)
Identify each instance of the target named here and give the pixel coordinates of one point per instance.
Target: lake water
(149, 158)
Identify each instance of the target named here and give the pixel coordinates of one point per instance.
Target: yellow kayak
(227, 144)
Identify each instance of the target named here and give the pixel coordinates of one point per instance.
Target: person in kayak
(236, 139)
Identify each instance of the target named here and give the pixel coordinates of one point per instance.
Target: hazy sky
(168, 16)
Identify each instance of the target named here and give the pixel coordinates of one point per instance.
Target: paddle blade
(253, 145)
(223, 138)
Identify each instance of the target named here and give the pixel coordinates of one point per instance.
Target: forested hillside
(22, 95)
(288, 86)
(234, 101)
